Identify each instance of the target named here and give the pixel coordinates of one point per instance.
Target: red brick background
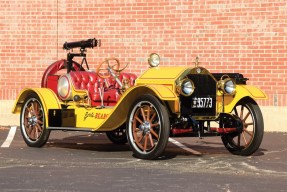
(246, 36)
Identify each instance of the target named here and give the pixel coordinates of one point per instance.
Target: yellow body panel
(162, 73)
(99, 119)
(91, 118)
(242, 91)
(163, 92)
(47, 96)
(165, 76)
(110, 118)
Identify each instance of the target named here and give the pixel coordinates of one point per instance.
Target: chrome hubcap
(145, 127)
(32, 120)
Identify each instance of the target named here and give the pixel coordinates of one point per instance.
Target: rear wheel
(118, 136)
(148, 127)
(33, 122)
(249, 140)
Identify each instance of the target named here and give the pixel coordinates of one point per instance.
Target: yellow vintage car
(144, 111)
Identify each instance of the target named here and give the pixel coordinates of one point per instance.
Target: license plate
(202, 102)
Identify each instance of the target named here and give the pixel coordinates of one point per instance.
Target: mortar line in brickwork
(57, 29)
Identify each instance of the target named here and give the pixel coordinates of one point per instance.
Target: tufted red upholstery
(48, 78)
(90, 81)
(53, 69)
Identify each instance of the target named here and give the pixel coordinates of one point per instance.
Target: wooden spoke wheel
(148, 127)
(32, 122)
(249, 140)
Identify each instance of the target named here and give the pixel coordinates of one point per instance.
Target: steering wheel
(107, 69)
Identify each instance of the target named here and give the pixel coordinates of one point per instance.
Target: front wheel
(148, 127)
(249, 140)
(33, 122)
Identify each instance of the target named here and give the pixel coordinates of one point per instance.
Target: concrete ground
(77, 161)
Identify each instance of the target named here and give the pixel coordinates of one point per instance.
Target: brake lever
(115, 76)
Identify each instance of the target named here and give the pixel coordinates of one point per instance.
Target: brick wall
(243, 36)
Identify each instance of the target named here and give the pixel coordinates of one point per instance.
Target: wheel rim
(33, 120)
(243, 139)
(145, 127)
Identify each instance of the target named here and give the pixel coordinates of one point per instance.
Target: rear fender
(47, 97)
(243, 91)
(119, 115)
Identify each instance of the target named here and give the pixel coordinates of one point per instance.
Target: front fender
(162, 92)
(243, 91)
(48, 98)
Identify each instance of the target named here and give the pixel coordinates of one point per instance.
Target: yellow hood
(161, 75)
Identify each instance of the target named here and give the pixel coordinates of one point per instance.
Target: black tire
(248, 141)
(33, 122)
(148, 127)
(118, 136)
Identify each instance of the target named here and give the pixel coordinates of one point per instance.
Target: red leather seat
(87, 80)
(91, 82)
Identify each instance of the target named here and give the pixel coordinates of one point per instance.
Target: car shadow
(100, 143)
(88, 142)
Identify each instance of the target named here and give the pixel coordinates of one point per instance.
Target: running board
(71, 129)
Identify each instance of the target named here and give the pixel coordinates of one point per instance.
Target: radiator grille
(203, 101)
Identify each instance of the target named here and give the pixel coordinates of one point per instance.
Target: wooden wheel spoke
(236, 112)
(145, 142)
(140, 138)
(26, 120)
(29, 129)
(33, 108)
(249, 133)
(246, 116)
(136, 132)
(33, 132)
(138, 119)
(244, 138)
(154, 133)
(148, 113)
(29, 110)
(241, 112)
(140, 146)
(36, 132)
(143, 114)
(154, 125)
(238, 140)
(153, 116)
(139, 142)
(40, 122)
(39, 127)
(151, 140)
(40, 116)
(36, 108)
(247, 124)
